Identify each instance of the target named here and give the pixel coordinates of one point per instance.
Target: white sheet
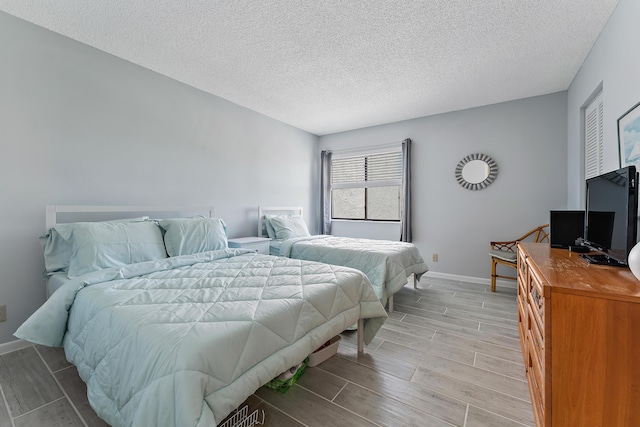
(274, 246)
(55, 282)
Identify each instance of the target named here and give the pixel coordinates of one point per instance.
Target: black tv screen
(612, 214)
(566, 227)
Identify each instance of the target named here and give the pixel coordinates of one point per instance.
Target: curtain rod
(367, 148)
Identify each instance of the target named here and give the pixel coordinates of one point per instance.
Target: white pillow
(289, 226)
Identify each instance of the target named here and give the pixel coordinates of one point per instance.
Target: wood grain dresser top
(571, 274)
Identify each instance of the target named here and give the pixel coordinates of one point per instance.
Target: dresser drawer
(535, 296)
(523, 316)
(522, 303)
(523, 319)
(522, 266)
(521, 297)
(536, 340)
(523, 276)
(536, 384)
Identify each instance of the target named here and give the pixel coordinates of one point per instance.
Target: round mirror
(476, 171)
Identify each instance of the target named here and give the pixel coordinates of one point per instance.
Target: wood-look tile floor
(448, 355)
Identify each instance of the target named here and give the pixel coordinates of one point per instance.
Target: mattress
(386, 263)
(184, 340)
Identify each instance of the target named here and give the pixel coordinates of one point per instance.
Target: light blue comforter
(386, 263)
(183, 341)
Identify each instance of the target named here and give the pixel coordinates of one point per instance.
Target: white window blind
(593, 138)
(372, 170)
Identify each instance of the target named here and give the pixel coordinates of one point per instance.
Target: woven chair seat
(504, 255)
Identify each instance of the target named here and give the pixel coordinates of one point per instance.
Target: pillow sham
(289, 226)
(101, 245)
(186, 236)
(267, 224)
(57, 250)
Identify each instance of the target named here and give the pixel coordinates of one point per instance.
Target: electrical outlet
(434, 257)
(3, 313)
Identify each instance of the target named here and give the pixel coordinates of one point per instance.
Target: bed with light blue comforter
(182, 341)
(386, 263)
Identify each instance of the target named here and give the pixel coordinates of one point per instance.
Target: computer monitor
(565, 227)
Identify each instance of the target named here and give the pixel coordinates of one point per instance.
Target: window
(367, 187)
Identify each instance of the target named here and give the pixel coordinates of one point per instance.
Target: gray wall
(80, 126)
(614, 63)
(525, 137)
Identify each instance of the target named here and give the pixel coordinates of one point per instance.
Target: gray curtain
(405, 221)
(325, 197)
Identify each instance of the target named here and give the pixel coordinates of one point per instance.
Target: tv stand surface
(603, 260)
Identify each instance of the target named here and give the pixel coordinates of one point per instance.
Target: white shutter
(593, 138)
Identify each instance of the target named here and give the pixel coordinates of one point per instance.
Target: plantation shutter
(593, 138)
(371, 170)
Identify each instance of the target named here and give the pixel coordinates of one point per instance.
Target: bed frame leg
(360, 335)
(391, 304)
(415, 282)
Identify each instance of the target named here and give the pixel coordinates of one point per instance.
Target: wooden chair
(504, 253)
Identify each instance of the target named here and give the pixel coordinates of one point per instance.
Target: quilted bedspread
(386, 263)
(184, 341)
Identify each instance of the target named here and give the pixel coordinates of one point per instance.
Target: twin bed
(386, 263)
(169, 327)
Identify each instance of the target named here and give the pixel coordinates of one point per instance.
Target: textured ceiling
(334, 65)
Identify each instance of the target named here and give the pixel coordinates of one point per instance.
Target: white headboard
(262, 211)
(65, 213)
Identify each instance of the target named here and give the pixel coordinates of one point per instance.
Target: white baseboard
(10, 346)
(470, 279)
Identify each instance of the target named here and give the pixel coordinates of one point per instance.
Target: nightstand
(258, 244)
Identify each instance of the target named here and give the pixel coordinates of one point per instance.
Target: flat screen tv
(611, 216)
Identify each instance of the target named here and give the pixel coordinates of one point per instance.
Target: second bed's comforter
(184, 341)
(386, 263)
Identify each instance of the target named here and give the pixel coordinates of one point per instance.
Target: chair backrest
(541, 234)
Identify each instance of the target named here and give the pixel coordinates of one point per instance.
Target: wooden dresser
(580, 334)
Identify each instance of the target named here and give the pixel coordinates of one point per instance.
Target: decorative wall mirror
(476, 171)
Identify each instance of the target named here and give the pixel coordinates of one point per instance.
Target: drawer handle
(535, 295)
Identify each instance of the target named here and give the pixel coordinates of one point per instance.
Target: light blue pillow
(267, 224)
(289, 226)
(186, 236)
(101, 245)
(57, 251)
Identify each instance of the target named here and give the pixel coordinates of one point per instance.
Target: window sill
(364, 221)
